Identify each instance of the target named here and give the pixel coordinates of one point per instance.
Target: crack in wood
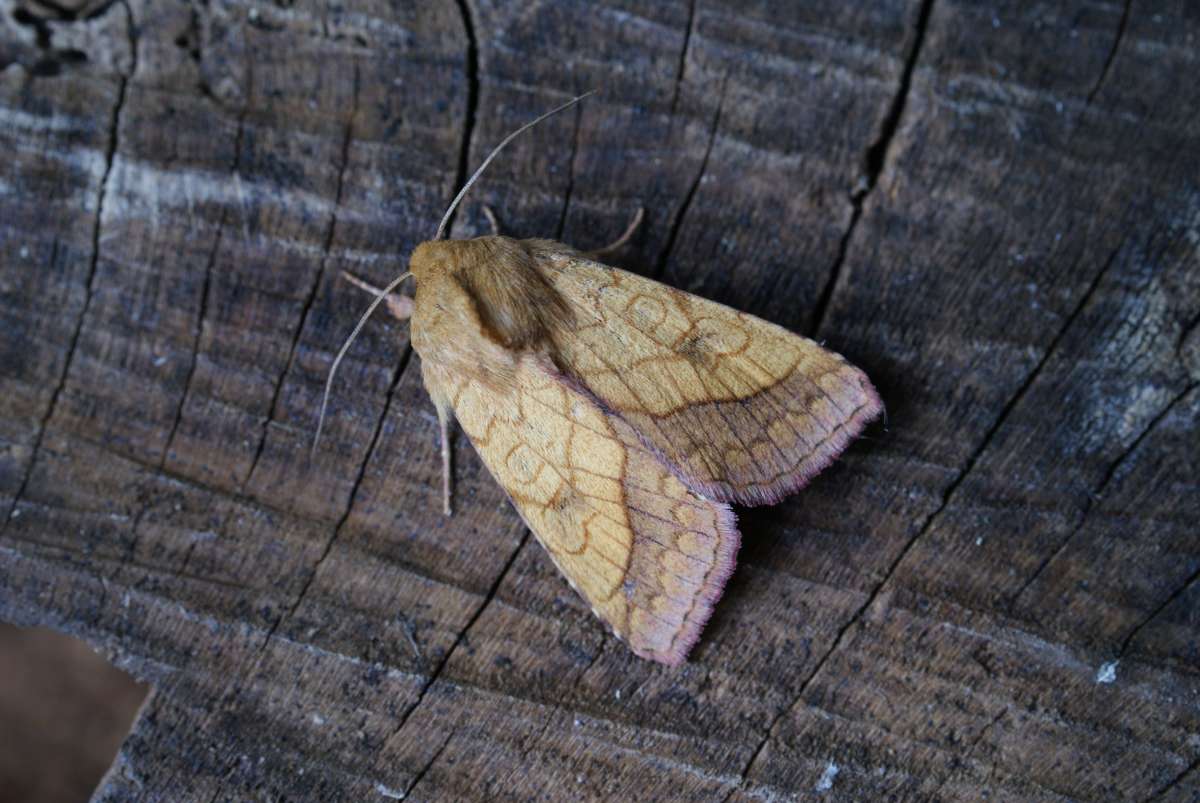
(874, 158)
(263, 706)
(971, 750)
(205, 286)
(311, 298)
(1098, 493)
(595, 657)
(462, 170)
(683, 54)
(472, 100)
(562, 218)
(556, 706)
(946, 498)
(1112, 53)
(972, 460)
(1179, 592)
(235, 690)
(252, 503)
(354, 489)
(506, 694)
(110, 152)
(1178, 779)
(1192, 580)
(664, 256)
(185, 481)
(445, 659)
(428, 765)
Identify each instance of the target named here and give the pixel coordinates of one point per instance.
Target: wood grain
(992, 208)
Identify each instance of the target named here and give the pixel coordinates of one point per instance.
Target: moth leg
(624, 238)
(491, 216)
(399, 305)
(444, 427)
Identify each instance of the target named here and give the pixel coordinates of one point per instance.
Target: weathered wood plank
(992, 207)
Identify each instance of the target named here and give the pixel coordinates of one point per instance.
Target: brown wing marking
(741, 409)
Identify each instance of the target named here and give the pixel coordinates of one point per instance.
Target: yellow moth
(621, 416)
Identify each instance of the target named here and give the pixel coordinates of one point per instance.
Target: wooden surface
(994, 208)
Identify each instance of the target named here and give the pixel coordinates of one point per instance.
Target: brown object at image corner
(63, 713)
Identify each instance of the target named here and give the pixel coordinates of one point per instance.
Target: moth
(621, 416)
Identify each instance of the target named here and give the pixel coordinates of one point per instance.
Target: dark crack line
(971, 750)
(131, 32)
(354, 489)
(528, 747)
(835, 271)
(472, 100)
(873, 162)
(206, 284)
(134, 535)
(497, 692)
(183, 566)
(677, 222)
(1167, 603)
(562, 218)
(876, 155)
(311, 298)
(1112, 53)
(600, 650)
(110, 152)
(428, 765)
(1183, 588)
(1005, 412)
(234, 692)
(556, 705)
(231, 699)
(1187, 332)
(63, 13)
(205, 287)
(1174, 782)
(462, 634)
(472, 69)
(683, 54)
(1097, 494)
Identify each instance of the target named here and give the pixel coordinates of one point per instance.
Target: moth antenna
(379, 297)
(454, 204)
